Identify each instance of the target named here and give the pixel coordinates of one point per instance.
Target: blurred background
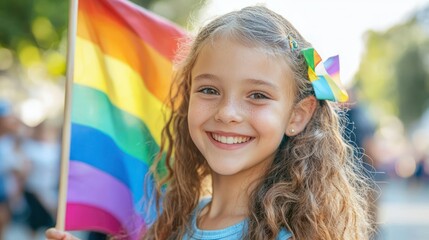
(384, 54)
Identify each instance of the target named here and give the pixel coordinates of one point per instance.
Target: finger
(53, 234)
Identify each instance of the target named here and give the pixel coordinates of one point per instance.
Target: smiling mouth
(230, 139)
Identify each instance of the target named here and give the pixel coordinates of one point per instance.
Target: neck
(230, 195)
(230, 199)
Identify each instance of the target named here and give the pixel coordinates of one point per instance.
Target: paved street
(403, 212)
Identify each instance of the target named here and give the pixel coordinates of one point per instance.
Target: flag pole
(65, 146)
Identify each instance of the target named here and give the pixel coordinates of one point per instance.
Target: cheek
(192, 116)
(269, 121)
(198, 112)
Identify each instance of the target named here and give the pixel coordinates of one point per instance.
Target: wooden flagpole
(65, 146)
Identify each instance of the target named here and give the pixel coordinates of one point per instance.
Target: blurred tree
(179, 11)
(413, 85)
(34, 30)
(393, 75)
(36, 22)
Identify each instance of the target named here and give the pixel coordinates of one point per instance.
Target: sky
(332, 26)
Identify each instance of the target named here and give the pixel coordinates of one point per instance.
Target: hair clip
(293, 44)
(326, 83)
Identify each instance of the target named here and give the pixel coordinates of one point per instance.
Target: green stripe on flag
(93, 108)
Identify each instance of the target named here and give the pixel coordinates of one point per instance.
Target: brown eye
(258, 96)
(209, 91)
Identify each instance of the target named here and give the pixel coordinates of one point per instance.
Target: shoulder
(284, 234)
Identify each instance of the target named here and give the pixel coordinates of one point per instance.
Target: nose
(229, 111)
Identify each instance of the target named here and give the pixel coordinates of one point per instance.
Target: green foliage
(23, 21)
(413, 84)
(15, 21)
(393, 75)
(178, 11)
(35, 30)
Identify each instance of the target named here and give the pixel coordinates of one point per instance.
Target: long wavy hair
(314, 187)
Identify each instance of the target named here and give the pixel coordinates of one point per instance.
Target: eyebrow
(205, 76)
(253, 81)
(260, 82)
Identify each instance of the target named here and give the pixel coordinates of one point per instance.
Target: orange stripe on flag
(129, 41)
(148, 26)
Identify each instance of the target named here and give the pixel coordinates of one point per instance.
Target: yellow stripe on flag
(124, 45)
(120, 82)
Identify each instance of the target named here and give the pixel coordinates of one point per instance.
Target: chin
(224, 170)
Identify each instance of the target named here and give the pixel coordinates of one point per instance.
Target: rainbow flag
(123, 66)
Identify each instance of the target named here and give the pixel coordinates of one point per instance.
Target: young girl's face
(240, 105)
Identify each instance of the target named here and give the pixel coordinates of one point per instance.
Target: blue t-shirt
(234, 232)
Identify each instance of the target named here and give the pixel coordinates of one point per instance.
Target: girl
(246, 122)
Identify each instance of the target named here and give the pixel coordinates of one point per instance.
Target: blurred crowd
(388, 149)
(29, 168)
(389, 154)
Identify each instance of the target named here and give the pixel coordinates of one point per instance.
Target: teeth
(229, 140)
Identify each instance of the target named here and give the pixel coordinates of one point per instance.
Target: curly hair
(313, 188)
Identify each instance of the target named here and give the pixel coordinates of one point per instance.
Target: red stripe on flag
(92, 218)
(157, 32)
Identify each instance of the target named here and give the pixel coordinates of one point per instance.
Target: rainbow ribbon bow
(326, 82)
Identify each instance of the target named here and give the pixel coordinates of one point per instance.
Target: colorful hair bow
(326, 82)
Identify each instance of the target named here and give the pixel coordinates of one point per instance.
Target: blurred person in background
(13, 165)
(42, 148)
(420, 144)
(360, 129)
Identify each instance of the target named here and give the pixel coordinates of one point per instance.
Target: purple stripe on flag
(93, 187)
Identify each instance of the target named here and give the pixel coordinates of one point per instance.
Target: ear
(301, 115)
